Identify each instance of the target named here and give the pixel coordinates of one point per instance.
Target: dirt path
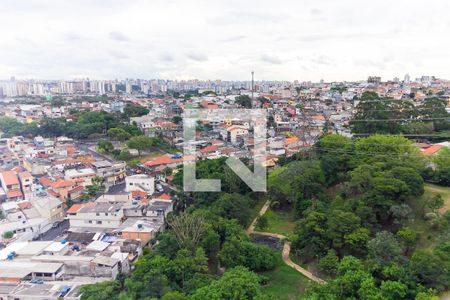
(262, 211)
(286, 246)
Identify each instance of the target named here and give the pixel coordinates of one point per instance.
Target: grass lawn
(432, 189)
(279, 221)
(284, 282)
(427, 236)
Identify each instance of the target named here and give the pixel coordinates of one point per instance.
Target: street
(53, 233)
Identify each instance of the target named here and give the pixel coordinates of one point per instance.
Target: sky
(210, 39)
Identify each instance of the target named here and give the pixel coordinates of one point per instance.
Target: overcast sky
(181, 39)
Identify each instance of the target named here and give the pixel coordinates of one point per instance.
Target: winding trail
(286, 246)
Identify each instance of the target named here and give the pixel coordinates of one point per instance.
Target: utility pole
(252, 86)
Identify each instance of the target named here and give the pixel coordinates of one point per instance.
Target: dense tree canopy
(354, 201)
(393, 116)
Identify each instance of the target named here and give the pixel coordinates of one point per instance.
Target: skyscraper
(407, 79)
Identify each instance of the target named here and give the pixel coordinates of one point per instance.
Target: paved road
(286, 246)
(167, 187)
(53, 233)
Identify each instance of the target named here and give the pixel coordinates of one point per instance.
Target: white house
(100, 215)
(140, 182)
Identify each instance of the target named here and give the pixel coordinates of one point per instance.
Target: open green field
(285, 283)
(280, 221)
(432, 189)
(427, 236)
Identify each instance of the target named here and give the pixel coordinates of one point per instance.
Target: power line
(356, 152)
(370, 144)
(418, 135)
(404, 109)
(385, 120)
(383, 100)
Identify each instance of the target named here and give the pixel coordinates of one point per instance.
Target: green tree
(428, 295)
(262, 223)
(435, 108)
(311, 239)
(408, 238)
(177, 119)
(131, 110)
(140, 143)
(335, 154)
(339, 225)
(242, 253)
(8, 234)
(105, 146)
(436, 202)
(401, 213)
(354, 281)
(149, 277)
(244, 101)
(185, 265)
(393, 290)
(233, 206)
(10, 126)
(384, 249)
(167, 245)
(376, 115)
(235, 284)
(106, 290)
(356, 241)
(329, 262)
(118, 134)
(188, 229)
(174, 296)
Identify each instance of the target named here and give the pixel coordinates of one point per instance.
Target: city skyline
(345, 41)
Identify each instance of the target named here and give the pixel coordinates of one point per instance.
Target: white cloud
(195, 56)
(336, 40)
(271, 59)
(118, 36)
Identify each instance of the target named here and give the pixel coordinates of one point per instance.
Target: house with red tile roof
(432, 150)
(139, 195)
(209, 104)
(76, 207)
(159, 163)
(163, 197)
(10, 183)
(208, 152)
(62, 188)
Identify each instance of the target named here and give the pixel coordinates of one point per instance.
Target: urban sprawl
(87, 167)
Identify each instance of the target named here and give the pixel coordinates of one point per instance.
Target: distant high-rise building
(374, 80)
(128, 87)
(407, 79)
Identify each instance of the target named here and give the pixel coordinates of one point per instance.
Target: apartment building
(99, 215)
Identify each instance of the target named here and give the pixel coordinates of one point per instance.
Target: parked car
(56, 224)
(37, 281)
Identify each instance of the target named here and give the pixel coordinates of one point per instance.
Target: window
(90, 221)
(97, 214)
(106, 214)
(99, 222)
